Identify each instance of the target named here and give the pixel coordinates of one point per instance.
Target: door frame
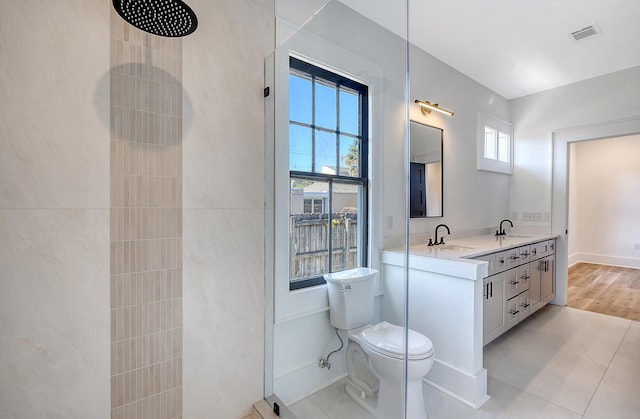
(561, 140)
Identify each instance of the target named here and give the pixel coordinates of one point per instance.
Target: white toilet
(376, 353)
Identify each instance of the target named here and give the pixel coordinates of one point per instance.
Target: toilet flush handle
(346, 288)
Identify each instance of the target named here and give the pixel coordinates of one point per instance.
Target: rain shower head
(171, 18)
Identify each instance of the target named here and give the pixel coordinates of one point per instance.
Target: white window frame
(501, 126)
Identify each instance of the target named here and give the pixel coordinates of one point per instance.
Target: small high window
(495, 144)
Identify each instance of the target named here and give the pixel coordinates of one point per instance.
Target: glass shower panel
(311, 132)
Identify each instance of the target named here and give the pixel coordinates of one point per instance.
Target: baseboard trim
(308, 379)
(624, 262)
(468, 389)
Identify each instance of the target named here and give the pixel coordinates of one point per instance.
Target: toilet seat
(389, 340)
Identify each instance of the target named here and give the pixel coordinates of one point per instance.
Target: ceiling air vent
(586, 33)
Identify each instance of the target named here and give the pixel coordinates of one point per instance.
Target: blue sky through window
(335, 111)
(300, 99)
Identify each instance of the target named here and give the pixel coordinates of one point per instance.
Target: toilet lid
(388, 339)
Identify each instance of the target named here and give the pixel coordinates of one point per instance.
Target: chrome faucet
(441, 238)
(500, 231)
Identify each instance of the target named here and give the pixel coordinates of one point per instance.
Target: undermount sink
(454, 247)
(517, 236)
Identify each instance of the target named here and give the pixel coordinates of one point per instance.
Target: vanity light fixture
(427, 107)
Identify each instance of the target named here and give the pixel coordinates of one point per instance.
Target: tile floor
(559, 363)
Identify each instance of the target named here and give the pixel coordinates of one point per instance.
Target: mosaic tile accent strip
(145, 223)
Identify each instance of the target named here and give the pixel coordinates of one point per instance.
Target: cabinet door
(548, 278)
(493, 313)
(535, 285)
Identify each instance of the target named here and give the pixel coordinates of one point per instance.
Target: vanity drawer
(524, 306)
(516, 281)
(497, 262)
(511, 283)
(525, 254)
(512, 312)
(539, 250)
(552, 246)
(512, 257)
(516, 309)
(524, 276)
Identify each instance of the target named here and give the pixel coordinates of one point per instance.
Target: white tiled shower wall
(55, 209)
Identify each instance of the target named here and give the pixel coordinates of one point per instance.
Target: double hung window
(328, 173)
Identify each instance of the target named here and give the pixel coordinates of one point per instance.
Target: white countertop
(455, 256)
(470, 247)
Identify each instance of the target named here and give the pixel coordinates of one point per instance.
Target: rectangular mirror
(425, 174)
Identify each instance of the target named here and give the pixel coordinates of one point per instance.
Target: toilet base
(378, 383)
(368, 403)
(381, 399)
(391, 409)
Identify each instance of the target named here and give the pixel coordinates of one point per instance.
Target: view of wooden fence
(309, 235)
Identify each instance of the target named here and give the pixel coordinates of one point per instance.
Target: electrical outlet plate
(532, 217)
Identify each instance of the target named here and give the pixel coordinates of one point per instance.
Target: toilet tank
(351, 297)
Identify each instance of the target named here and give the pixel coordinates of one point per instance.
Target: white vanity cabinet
(520, 281)
(463, 296)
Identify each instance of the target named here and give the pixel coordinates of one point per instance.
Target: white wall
(473, 199)
(606, 202)
(54, 209)
(223, 200)
(604, 106)
(596, 101)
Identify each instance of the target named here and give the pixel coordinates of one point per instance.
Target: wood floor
(605, 289)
